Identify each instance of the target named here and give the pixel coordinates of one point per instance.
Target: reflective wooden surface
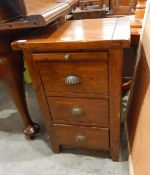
(32, 13)
(79, 32)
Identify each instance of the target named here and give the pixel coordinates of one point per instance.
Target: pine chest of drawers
(76, 73)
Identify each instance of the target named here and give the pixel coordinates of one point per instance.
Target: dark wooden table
(17, 18)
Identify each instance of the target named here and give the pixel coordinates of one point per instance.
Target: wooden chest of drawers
(76, 72)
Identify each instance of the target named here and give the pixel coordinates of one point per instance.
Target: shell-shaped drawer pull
(80, 138)
(67, 57)
(77, 112)
(72, 80)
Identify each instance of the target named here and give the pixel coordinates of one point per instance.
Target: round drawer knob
(72, 80)
(67, 57)
(77, 112)
(80, 138)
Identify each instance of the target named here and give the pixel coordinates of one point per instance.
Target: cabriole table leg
(11, 73)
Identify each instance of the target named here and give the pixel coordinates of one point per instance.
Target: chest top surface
(81, 32)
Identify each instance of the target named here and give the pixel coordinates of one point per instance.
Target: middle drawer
(79, 111)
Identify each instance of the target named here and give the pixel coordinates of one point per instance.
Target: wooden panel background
(138, 118)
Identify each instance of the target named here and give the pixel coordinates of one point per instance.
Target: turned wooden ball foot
(31, 130)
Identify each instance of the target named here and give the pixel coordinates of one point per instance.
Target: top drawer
(75, 76)
(71, 56)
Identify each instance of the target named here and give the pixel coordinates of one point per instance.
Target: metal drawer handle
(67, 57)
(80, 138)
(72, 80)
(77, 112)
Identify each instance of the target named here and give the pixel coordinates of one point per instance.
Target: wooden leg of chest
(54, 143)
(11, 73)
(55, 147)
(115, 75)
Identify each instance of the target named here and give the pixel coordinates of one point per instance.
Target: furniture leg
(11, 73)
(55, 148)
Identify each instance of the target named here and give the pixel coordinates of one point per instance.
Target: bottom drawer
(81, 137)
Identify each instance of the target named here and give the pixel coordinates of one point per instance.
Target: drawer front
(79, 111)
(81, 137)
(71, 56)
(75, 77)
